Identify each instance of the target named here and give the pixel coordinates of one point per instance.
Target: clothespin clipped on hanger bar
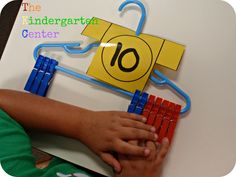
(44, 69)
(160, 113)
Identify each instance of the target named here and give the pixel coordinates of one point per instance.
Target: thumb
(109, 159)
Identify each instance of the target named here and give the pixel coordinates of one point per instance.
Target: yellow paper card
(123, 59)
(171, 55)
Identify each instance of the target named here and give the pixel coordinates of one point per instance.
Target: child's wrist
(82, 125)
(74, 126)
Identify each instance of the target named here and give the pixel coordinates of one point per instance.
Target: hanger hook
(71, 48)
(143, 17)
(164, 80)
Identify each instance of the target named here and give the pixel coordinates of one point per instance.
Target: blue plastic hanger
(143, 10)
(72, 48)
(164, 80)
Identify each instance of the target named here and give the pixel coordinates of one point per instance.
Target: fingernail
(144, 119)
(165, 141)
(117, 169)
(157, 144)
(156, 136)
(153, 129)
(147, 152)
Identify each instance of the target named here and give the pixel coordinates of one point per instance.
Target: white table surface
(205, 142)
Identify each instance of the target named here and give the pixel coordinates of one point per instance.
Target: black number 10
(120, 58)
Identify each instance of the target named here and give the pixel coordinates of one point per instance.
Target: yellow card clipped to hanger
(123, 59)
(126, 60)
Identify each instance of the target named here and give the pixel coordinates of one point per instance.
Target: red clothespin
(149, 105)
(166, 121)
(173, 122)
(154, 111)
(160, 114)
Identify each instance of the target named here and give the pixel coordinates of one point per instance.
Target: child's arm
(102, 132)
(144, 167)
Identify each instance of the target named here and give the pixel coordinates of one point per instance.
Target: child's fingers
(164, 149)
(152, 146)
(109, 159)
(139, 125)
(132, 116)
(133, 142)
(123, 159)
(158, 146)
(137, 134)
(126, 148)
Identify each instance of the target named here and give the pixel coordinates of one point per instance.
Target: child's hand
(144, 167)
(105, 132)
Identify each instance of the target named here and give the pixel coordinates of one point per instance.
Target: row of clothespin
(160, 113)
(41, 76)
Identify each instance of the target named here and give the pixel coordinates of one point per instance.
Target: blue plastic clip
(134, 101)
(143, 17)
(34, 73)
(40, 75)
(47, 78)
(141, 104)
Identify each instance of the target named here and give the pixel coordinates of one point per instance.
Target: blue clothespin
(34, 73)
(141, 104)
(40, 75)
(134, 101)
(47, 78)
(138, 102)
